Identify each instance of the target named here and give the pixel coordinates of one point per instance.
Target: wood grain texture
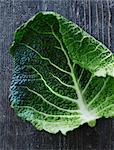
(97, 18)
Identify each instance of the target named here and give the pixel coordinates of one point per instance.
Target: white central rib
(86, 114)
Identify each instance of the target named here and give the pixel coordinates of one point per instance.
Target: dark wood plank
(96, 18)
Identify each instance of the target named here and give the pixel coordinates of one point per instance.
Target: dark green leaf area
(30, 68)
(27, 98)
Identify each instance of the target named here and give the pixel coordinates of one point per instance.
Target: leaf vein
(39, 95)
(55, 93)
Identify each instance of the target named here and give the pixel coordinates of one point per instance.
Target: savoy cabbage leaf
(63, 77)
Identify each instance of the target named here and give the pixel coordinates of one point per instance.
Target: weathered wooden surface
(96, 17)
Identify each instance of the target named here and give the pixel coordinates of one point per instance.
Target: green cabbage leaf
(63, 77)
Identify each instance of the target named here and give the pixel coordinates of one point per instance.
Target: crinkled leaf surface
(62, 77)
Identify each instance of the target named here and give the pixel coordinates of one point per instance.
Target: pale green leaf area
(63, 77)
